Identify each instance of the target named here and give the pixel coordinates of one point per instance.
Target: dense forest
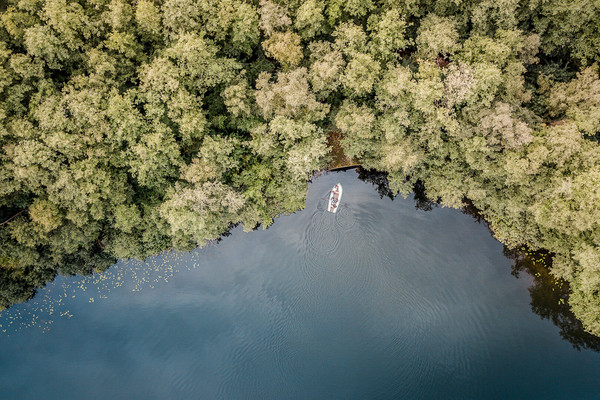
(132, 127)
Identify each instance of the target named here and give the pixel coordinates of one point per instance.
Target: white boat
(335, 197)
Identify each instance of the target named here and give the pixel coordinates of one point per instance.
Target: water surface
(380, 301)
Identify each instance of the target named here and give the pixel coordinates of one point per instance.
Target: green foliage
(388, 34)
(273, 17)
(360, 76)
(130, 128)
(437, 36)
(148, 19)
(326, 68)
(285, 48)
(310, 20)
(201, 212)
(578, 100)
(568, 29)
(290, 96)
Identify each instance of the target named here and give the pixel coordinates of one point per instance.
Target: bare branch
(13, 217)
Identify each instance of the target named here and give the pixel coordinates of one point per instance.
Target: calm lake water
(381, 301)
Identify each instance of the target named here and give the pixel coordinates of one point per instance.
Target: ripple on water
(321, 235)
(321, 260)
(319, 246)
(241, 350)
(345, 219)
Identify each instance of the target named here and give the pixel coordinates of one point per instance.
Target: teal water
(380, 301)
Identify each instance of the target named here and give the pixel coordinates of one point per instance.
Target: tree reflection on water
(549, 296)
(381, 183)
(377, 179)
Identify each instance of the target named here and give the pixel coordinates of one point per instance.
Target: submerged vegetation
(132, 127)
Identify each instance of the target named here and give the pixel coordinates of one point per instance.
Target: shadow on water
(381, 183)
(549, 296)
(377, 179)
